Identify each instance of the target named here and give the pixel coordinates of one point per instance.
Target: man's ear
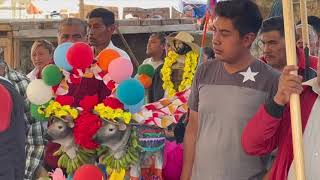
(248, 39)
(112, 28)
(6, 107)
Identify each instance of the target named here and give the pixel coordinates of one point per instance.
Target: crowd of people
(238, 123)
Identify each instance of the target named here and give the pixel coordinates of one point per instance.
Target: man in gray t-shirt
(226, 93)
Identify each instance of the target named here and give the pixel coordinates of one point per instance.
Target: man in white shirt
(101, 25)
(156, 50)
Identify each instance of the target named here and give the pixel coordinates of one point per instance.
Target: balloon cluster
(117, 67)
(145, 72)
(69, 56)
(130, 92)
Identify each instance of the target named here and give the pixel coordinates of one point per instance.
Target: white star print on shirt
(249, 75)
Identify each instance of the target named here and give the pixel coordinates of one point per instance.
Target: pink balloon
(120, 69)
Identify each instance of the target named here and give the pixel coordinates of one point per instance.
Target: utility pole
(81, 9)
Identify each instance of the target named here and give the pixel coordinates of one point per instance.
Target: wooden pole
(305, 38)
(304, 23)
(81, 9)
(134, 59)
(295, 109)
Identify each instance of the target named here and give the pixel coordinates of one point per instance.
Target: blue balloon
(130, 92)
(60, 56)
(134, 108)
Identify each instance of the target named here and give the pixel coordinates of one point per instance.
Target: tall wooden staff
(305, 37)
(295, 109)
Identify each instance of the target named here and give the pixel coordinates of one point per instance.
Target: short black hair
(106, 15)
(161, 36)
(314, 21)
(245, 15)
(273, 24)
(73, 22)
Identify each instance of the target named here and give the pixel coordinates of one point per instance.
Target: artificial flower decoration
(56, 109)
(86, 126)
(88, 102)
(106, 112)
(189, 69)
(114, 103)
(65, 100)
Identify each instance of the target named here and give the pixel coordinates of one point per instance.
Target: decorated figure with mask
(168, 94)
(180, 64)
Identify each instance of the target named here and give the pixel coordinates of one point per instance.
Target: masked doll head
(181, 48)
(181, 44)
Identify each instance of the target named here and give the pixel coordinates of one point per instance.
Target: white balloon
(38, 92)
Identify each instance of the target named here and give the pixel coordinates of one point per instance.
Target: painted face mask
(181, 48)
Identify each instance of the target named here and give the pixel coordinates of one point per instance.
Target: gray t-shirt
(225, 103)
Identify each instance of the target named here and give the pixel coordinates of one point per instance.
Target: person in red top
(270, 127)
(272, 44)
